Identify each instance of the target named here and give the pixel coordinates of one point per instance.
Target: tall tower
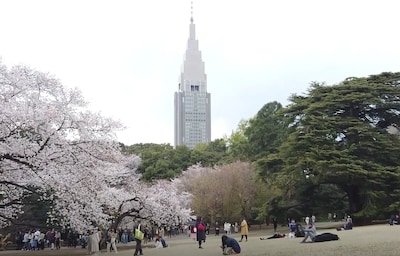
(192, 101)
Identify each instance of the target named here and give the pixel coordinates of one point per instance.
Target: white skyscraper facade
(192, 101)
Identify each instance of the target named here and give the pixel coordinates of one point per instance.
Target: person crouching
(229, 245)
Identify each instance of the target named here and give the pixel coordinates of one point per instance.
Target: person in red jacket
(200, 231)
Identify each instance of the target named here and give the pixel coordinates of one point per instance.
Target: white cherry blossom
(51, 144)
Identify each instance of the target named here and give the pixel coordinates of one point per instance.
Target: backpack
(201, 227)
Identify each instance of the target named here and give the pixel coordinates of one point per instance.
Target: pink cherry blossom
(51, 143)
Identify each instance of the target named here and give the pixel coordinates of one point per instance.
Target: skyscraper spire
(192, 33)
(191, 12)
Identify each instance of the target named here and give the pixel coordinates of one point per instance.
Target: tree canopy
(226, 192)
(53, 149)
(340, 135)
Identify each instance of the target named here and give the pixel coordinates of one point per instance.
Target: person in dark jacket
(217, 228)
(348, 225)
(229, 245)
(275, 222)
(200, 231)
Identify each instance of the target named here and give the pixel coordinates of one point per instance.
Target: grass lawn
(380, 240)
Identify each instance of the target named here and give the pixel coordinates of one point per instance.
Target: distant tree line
(333, 149)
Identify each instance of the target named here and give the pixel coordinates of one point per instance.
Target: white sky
(125, 55)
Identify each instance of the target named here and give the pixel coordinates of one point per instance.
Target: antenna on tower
(191, 11)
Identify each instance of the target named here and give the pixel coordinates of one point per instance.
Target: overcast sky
(126, 55)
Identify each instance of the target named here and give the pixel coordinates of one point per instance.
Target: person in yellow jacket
(244, 229)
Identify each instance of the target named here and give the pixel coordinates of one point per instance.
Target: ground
(368, 240)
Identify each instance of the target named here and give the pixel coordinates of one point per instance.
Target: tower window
(195, 88)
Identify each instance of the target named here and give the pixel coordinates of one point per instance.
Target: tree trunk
(355, 202)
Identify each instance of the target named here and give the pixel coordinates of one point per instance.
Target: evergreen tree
(341, 136)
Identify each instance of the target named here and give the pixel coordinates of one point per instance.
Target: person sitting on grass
(348, 225)
(299, 230)
(310, 232)
(394, 219)
(229, 245)
(160, 243)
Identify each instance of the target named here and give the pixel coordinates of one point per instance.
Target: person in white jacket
(94, 242)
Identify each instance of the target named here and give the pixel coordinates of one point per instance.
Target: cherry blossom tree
(159, 203)
(52, 145)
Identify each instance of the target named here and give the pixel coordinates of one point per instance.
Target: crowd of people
(97, 239)
(36, 239)
(92, 240)
(308, 231)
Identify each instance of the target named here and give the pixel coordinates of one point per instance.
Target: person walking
(58, 240)
(200, 231)
(89, 248)
(138, 249)
(275, 224)
(217, 228)
(244, 229)
(111, 239)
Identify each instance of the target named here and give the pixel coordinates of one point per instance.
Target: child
(229, 245)
(160, 243)
(292, 228)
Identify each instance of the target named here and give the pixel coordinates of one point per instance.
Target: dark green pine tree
(345, 135)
